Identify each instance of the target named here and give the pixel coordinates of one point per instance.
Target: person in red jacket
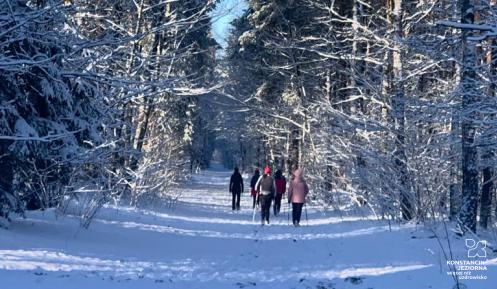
(297, 191)
(280, 183)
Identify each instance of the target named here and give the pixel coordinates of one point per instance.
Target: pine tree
(50, 114)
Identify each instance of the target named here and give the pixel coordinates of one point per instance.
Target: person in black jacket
(253, 182)
(236, 189)
(280, 186)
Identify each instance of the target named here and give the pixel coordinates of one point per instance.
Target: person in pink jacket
(297, 191)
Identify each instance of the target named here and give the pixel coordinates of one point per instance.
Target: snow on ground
(203, 244)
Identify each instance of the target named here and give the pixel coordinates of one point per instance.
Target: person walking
(236, 189)
(280, 183)
(265, 188)
(253, 182)
(297, 192)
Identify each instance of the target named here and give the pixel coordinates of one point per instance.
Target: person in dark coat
(297, 191)
(236, 189)
(265, 189)
(280, 183)
(253, 182)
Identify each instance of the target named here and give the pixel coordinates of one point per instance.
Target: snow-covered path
(203, 244)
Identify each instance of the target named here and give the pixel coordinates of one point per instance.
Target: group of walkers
(265, 189)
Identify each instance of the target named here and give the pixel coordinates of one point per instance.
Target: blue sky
(225, 12)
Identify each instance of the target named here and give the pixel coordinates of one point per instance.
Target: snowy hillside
(202, 244)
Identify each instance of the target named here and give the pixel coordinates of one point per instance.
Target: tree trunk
(294, 149)
(486, 194)
(488, 188)
(6, 180)
(258, 153)
(147, 108)
(455, 132)
(469, 205)
(398, 107)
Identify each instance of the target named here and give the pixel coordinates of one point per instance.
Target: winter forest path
(203, 244)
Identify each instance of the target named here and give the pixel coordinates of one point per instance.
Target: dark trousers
(296, 212)
(265, 207)
(277, 204)
(254, 197)
(235, 202)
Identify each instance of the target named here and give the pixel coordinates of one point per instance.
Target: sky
(225, 12)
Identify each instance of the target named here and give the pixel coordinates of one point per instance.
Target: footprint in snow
(243, 285)
(354, 280)
(322, 285)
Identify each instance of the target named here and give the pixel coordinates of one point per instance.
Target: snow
(203, 244)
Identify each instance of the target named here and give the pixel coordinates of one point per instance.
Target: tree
(469, 96)
(51, 114)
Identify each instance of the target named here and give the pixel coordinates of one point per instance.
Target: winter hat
(267, 170)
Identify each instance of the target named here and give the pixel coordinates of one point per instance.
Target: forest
(389, 102)
(389, 106)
